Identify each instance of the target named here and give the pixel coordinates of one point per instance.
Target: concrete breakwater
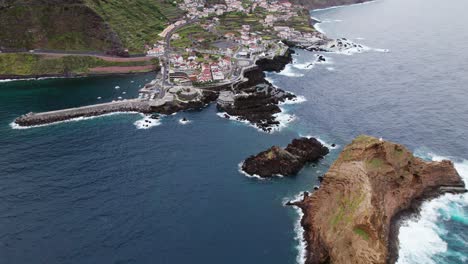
(132, 105)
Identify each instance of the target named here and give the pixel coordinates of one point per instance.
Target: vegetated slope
(137, 22)
(83, 25)
(54, 24)
(33, 65)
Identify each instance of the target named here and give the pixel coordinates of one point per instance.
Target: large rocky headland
(285, 162)
(353, 217)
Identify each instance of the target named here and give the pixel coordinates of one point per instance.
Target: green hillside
(137, 22)
(83, 25)
(41, 65)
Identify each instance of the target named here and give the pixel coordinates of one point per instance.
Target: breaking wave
(147, 122)
(323, 142)
(184, 122)
(431, 245)
(297, 100)
(289, 71)
(283, 118)
(298, 229)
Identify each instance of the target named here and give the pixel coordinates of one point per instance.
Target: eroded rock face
(259, 108)
(349, 219)
(257, 105)
(286, 162)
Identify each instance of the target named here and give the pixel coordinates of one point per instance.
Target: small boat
(117, 87)
(99, 98)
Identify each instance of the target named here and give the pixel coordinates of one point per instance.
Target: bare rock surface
(350, 218)
(285, 162)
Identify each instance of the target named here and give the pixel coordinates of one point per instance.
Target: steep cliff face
(317, 4)
(349, 219)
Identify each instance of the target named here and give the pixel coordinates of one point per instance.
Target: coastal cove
(107, 189)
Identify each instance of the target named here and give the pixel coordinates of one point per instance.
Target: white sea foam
(381, 50)
(297, 100)
(330, 68)
(15, 80)
(289, 71)
(14, 125)
(239, 166)
(270, 80)
(323, 142)
(425, 228)
(303, 66)
(318, 27)
(38, 79)
(239, 119)
(255, 176)
(283, 118)
(298, 230)
(147, 122)
(184, 122)
(340, 6)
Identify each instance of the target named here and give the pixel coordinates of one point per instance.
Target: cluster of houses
(281, 10)
(244, 41)
(193, 70)
(288, 33)
(196, 8)
(248, 39)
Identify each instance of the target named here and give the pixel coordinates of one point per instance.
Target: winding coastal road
(166, 60)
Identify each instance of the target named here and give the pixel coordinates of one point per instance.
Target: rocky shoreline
(256, 100)
(354, 216)
(285, 162)
(258, 107)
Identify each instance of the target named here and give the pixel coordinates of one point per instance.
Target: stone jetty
(131, 105)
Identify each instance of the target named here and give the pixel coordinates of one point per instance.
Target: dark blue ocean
(105, 191)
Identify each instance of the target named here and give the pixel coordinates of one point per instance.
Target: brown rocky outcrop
(349, 219)
(286, 162)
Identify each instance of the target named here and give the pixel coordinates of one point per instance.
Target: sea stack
(285, 162)
(353, 217)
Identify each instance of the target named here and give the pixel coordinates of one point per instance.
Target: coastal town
(233, 131)
(218, 52)
(213, 46)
